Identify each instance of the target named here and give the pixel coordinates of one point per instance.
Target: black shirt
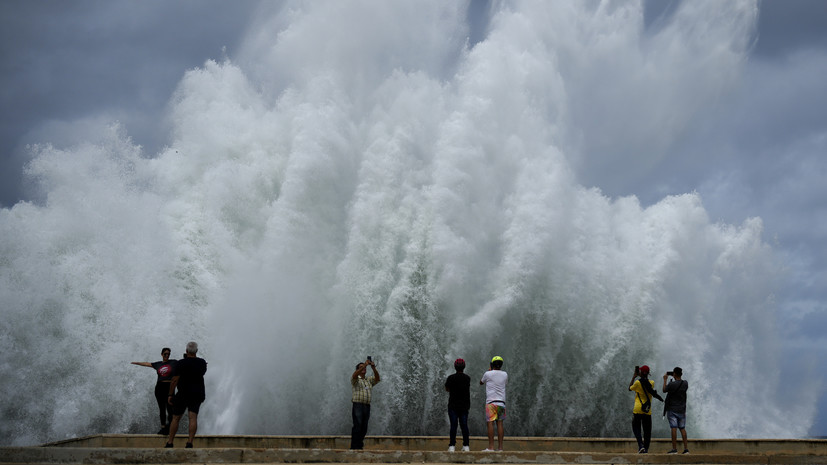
(164, 369)
(676, 396)
(459, 387)
(190, 371)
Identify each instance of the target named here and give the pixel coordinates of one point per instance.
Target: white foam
(350, 188)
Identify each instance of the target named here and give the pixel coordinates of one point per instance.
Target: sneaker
(451, 448)
(488, 450)
(188, 446)
(673, 451)
(466, 449)
(642, 450)
(686, 451)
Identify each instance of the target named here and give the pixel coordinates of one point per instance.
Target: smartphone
(670, 373)
(637, 369)
(369, 359)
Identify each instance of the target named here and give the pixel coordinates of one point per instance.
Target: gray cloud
(66, 63)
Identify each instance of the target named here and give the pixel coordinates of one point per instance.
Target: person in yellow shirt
(644, 389)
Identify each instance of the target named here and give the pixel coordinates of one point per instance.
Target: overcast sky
(68, 67)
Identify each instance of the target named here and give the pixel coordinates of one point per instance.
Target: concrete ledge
(135, 449)
(440, 443)
(71, 455)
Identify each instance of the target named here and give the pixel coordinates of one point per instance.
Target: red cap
(644, 370)
(459, 363)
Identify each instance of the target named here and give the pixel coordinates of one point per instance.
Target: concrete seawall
(133, 449)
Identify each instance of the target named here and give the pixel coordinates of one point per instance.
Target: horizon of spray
(362, 181)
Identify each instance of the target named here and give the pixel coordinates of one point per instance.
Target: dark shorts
(182, 402)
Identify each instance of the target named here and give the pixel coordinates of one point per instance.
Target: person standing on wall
(164, 370)
(644, 390)
(458, 386)
(188, 377)
(361, 386)
(495, 380)
(675, 407)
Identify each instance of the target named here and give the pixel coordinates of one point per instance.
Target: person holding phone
(361, 386)
(188, 379)
(495, 380)
(675, 407)
(458, 386)
(644, 389)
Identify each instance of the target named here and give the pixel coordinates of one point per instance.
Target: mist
(363, 179)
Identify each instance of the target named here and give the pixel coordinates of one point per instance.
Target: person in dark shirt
(458, 386)
(675, 407)
(164, 370)
(188, 378)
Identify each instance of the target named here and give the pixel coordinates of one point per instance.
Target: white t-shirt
(495, 381)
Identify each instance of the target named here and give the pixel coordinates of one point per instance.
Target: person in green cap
(495, 380)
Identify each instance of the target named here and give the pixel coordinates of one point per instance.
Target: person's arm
(143, 364)
(375, 373)
(632, 382)
(664, 382)
(172, 386)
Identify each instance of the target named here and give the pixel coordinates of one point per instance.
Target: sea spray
(345, 188)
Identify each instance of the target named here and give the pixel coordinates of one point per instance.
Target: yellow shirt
(641, 395)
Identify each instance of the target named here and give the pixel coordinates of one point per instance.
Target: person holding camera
(675, 407)
(644, 390)
(458, 386)
(495, 380)
(188, 378)
(361, 386)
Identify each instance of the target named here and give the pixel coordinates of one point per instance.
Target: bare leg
(674, 439)
(193, 425)
(173, 428)
(490, 435)
(685, 443)
(500, 433)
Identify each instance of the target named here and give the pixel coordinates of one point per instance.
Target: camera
(670, 373)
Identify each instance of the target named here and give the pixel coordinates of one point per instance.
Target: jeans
(361, 415)
(462, 419)
(644, 422)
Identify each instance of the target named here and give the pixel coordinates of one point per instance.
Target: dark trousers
(462, 419)
(361, 415)
(642, 423)
(161, 393)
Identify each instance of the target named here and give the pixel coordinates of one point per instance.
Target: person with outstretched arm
(163, 369)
